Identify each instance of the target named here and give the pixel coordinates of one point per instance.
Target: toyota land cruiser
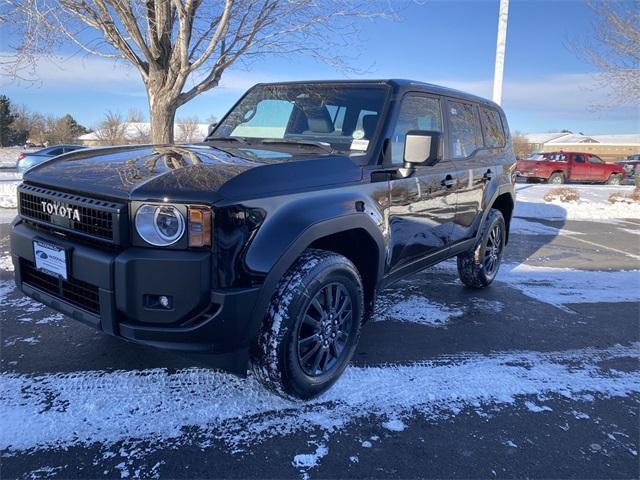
(268, 241)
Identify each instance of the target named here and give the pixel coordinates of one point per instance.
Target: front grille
(97, 219)
(79, 293)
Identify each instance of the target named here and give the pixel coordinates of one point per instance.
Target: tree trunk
(163, 112)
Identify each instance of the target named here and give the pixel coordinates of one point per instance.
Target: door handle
(488, 175)
(449, 181)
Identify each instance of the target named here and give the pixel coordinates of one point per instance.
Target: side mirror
(422, 147)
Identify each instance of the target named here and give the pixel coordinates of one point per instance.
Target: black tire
(556, 178)
(478, 267)
(614, 179)
(279, 356)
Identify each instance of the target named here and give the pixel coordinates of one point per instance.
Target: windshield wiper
(301, 143)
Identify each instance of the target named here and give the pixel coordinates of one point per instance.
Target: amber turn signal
(199, 226)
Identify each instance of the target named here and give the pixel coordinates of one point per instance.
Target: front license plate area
(50, 259)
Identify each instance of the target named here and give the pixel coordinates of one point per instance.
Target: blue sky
(546, 86)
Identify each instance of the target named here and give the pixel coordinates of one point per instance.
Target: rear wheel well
(358, 246)
(504, 203)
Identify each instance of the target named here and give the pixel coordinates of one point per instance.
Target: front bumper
(107, 290)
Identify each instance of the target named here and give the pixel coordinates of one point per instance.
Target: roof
(574, 138)
(545, 137)
(398, 84)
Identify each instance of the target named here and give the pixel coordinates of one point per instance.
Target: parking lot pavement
(537, 376)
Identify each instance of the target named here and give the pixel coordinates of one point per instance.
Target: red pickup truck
(561, 167)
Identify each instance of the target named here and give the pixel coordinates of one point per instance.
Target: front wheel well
(358, 246)
(504, 203)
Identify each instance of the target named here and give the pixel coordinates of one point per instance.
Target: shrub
(634, 196)
(564, 194)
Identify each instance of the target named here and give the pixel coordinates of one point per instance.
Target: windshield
(331, 117)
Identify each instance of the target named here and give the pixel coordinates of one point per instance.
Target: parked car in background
(631, 165)
(28, 160)
(562, 167)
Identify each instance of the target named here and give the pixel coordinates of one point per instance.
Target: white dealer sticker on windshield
(50, 258)
(359, 144)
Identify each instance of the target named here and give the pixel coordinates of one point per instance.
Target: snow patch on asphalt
(532, 407)
(560, 286)
(9, 194)
(6, 264)
(520, 226)
(395, 425)
(310, 460)
(418, 309)
(64, 409)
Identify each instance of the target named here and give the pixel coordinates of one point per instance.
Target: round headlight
(159, 225)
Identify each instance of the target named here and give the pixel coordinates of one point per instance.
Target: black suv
(267, 243)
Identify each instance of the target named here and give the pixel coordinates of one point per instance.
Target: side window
(417, 112)
(595, 160)
(492, 128)
(463, 130)
(578, 158)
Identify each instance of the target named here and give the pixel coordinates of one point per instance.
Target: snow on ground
(593, 204)
(8, 194)
(520, 226)
(419, 309)
(9, 156)
(560, 286)
(59, 410)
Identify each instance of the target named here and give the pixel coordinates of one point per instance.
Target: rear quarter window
(492, 128)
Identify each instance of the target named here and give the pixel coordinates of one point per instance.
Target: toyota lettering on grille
(60, 210)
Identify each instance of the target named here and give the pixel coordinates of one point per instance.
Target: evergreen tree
(6, 119)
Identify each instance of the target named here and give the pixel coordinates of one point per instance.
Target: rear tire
(556, 178)
(312, 327)
(614, 179)
(478, 267)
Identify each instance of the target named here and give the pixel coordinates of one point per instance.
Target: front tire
(478, 267)
(556, 179)
(312, 327)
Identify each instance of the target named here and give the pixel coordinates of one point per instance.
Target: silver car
(28, 160)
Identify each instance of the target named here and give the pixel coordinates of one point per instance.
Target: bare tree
(189, 130)
(137, 129)
(181, 48)
(112, 130)
(613, 47)
(521, 146)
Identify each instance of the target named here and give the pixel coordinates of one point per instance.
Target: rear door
(422, 205)
(473, 165)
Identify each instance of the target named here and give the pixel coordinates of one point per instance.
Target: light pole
(500, 47)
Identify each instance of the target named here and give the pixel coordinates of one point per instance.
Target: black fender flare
(508, 189)
(301, 242)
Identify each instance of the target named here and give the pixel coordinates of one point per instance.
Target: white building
(608, 147)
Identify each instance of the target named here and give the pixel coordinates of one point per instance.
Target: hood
(186, 173)
(177, 172)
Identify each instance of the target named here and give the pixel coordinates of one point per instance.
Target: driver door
(422, 205)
